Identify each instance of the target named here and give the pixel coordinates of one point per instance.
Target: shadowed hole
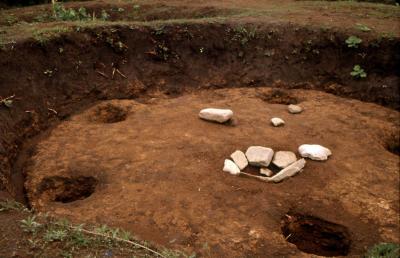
(393, 143)
(64, 189)
(109, 113)
(316, 236)
(278, 96)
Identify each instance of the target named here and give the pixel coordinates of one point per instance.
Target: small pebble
(314, 151)
(276, 121)
(266, 172)
(294, 109)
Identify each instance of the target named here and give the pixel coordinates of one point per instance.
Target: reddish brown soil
(160, 173)
(296, 45)
(182, 58)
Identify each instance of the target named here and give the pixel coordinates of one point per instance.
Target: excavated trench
(82, 152)
(316, 236)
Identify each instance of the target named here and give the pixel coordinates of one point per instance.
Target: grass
(45, 34)
(47, 236)
(384, 250)
(11, 18)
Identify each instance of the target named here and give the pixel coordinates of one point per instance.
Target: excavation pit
(110, 112)
(316, 236)
(65, 190)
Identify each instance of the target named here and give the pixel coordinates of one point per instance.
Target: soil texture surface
(154, 168)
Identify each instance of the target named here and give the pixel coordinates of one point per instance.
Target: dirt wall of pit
(53, 78)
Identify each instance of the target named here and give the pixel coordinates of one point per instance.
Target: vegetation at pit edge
(45, 236)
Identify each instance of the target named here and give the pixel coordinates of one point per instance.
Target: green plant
(159, 31)
(384, 250)
(353, 41)
(358, 72)
(243, 35)
(125, 235)
(168, 253)
(11, 19)
(55, 235)
(60, 13)
(71, 238)
(30, 225)
(41, 17)
(362, 27)
(9, 204)
(104, 15)
(45, 34)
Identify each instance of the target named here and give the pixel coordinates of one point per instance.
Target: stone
(283, 159)
(259, 156)
(289, 171)
(240, 159)
(314, 151)
(294, 109)
(276, 121)
(230, 167)
(216, 115)
(266, 172)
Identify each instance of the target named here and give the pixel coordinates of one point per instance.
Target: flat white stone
(216, 115)
(283, 159)
(294, 109)
(259, 156)
(289, 171)
(230, 167)
(314, 151)
(240, 159)
(266, 172)
(276, 121)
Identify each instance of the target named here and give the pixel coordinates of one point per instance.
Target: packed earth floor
(155, 169)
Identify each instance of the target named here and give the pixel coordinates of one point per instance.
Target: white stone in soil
(259, 156)
(216, 115)
(230, 167)
(294, 109)
(314, 151)
(240, 159)
(266, 172)
(283, 159)
(289, 171)
(276, 121)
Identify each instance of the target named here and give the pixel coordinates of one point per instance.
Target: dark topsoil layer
(53, 79)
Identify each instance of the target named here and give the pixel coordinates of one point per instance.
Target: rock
(259, 156)
(240, 159)
(314, 152)
(216, 115)
(230, 167)
(283, 159)
(266, 172)
(276, 121)
(289, 171)
(295, 109)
